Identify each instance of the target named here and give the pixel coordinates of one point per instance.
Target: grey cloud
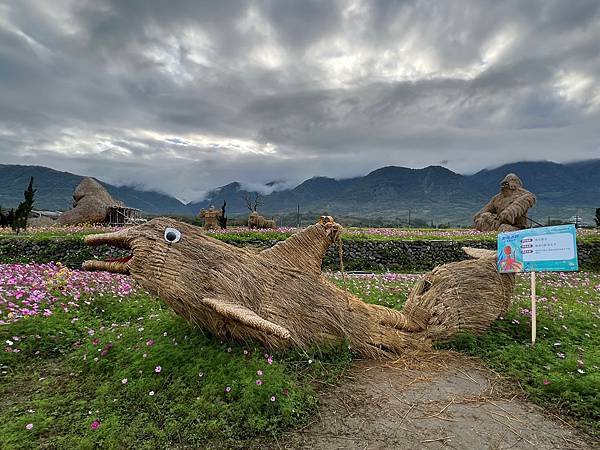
(187, 95)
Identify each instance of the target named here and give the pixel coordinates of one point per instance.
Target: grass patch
(562, 371)
(125, 372)
(115, 368)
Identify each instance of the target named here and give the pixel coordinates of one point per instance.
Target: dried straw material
(255, 220)
(210, 218)
(460, 296)
(280, 298)
(91, 202)
(507, 210)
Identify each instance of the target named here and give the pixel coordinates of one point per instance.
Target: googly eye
(172, 235)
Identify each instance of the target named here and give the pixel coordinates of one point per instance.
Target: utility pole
(299, 224)
(408, 217)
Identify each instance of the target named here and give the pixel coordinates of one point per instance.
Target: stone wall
(71, 251)
(401, 256)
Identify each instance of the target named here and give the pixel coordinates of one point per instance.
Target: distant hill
(55, 191)
(562, 190)
(432, 193)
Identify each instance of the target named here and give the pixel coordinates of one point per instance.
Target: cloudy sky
(185, 95)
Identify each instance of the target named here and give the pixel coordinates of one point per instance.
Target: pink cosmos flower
(259, 382)
(157, 369)
(150, 342)
(228, 389)
(29, 426)
(95, 425)
(124, 381)
(95, 341)
(259, 373)
(546, 382)
(273, 398)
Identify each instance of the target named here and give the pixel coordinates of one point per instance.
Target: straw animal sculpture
(507, 210)
(210, 218)
(91, 202)
(460, 296)
(280, 298)
(255, 220)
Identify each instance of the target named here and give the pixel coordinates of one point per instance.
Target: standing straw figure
(210, 218)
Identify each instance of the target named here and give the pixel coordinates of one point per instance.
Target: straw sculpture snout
(280, 297)
(119, 239)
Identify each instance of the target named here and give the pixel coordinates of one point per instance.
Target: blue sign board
(545, 249)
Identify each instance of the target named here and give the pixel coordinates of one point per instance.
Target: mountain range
(433, 193)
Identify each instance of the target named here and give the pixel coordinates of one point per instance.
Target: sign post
(546, 249)
(533, 309)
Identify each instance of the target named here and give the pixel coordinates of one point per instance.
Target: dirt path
(450, 402)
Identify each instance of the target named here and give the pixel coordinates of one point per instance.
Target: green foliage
(222, 219)
(17, 220)
(562, 371)
(71, 368)
(6, 219)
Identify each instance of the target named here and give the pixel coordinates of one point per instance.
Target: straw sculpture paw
(280, 298)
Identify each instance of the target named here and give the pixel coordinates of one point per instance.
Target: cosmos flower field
(89, 359)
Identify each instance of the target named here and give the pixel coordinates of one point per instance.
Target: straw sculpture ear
(246, 317)
(479, 253)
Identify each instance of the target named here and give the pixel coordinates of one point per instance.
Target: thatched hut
(91, 204)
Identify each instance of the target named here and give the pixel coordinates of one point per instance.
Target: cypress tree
(223, 218)
(3, 219)
(24, 209)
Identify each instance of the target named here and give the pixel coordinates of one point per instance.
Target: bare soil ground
(443, 400)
